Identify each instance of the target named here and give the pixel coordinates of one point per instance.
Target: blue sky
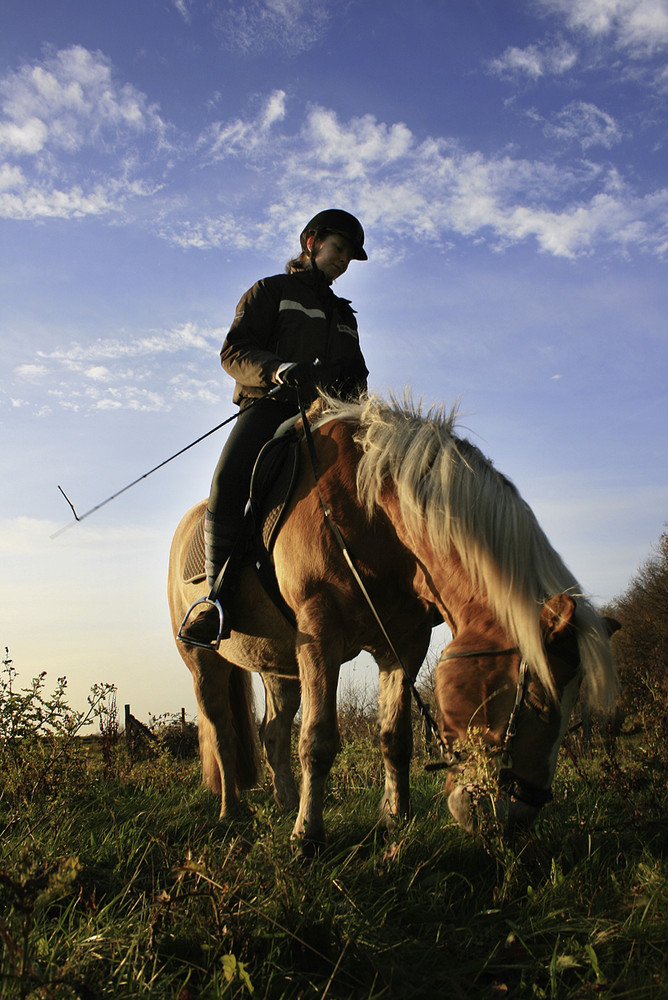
(508, 161)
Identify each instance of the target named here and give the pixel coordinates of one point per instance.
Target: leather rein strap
(429, 722)
(517, 787)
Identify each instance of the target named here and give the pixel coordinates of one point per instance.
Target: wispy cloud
(184, 8)
(634, 29)
(639, 27)
(256, 25)
(404, 187)
(583, 123)
(535, 60)
(115, 374)
(180, 338)
(71, 143)
(55, 110)
(243, 137)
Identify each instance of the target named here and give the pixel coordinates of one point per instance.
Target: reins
(431, 728)
(518, 786)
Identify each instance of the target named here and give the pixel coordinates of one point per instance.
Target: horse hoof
(308, 850)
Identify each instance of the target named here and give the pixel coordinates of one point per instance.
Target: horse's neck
(444, 582)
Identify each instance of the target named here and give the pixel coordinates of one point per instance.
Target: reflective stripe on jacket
(290, 317)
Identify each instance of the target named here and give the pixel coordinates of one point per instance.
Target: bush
(38, 731)
(641, 646)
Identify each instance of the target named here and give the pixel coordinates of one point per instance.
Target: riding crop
(81, 517)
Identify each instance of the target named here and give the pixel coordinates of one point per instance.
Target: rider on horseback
(290, 332)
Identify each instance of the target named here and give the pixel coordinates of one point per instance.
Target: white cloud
(28, 136)
(29, 202)
(243, 137)
(535, 61)
(129, 397)
(586, 124)
(433, 189)
(637, 26)
(186, 389)
(31, 371)
(75, 130)
(184, 337)
(71, 100)
(403, 186)
(257, 25)
(99, 375)
(367, 145)
(97, 372)
(183, 7)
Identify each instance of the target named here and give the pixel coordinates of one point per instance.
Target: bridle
(516, 786)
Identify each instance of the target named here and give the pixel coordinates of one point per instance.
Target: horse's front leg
(282, 702)
(396, 740)
(319, 663)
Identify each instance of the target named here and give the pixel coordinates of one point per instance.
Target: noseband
(517, 787)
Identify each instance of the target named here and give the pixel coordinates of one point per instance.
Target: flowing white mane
(449, 491)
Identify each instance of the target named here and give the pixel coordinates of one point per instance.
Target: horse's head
(486, 692)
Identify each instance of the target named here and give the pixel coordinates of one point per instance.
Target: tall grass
(118, 880)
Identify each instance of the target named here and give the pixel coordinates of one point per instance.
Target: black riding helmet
(335, 220)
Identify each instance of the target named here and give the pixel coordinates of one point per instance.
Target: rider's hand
(294, 373)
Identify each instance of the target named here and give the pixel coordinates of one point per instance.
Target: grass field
(118, 880)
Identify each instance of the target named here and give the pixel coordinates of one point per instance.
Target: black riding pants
(230, 488)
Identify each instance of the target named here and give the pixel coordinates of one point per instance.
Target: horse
(395, 524)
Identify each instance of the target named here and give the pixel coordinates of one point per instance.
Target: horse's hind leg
(282, 701)
(227, 741)
(396, 740)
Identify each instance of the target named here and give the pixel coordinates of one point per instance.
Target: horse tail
(244, 733)
(242, 706)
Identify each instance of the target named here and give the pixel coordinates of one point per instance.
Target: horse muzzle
(514, 806)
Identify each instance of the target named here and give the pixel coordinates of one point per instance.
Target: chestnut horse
(433, 532)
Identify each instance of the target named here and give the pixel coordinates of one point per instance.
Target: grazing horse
(433, 532)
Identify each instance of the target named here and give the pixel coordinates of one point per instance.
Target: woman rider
(289, 331)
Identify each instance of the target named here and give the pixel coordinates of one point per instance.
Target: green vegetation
(118, 880)
(641, 648)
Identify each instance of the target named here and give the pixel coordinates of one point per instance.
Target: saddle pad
(193, 570)
(272, 483)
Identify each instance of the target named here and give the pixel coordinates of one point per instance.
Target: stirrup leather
(213, 603)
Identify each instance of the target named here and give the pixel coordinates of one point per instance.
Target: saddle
(272, 483)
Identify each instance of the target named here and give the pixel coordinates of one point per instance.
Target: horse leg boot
(213, 621)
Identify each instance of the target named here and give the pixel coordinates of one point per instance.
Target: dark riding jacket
(292, 317)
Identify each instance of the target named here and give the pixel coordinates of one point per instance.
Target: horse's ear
(611, 624)
(556, 616)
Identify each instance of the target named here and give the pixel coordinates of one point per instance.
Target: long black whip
(81, 517)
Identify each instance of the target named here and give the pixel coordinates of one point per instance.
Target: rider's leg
(227, 501)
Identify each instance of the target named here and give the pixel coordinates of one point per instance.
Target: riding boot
(213, 622)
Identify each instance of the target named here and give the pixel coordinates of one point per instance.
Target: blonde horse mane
(449, 491)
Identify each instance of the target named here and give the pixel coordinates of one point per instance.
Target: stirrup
(213, 603)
